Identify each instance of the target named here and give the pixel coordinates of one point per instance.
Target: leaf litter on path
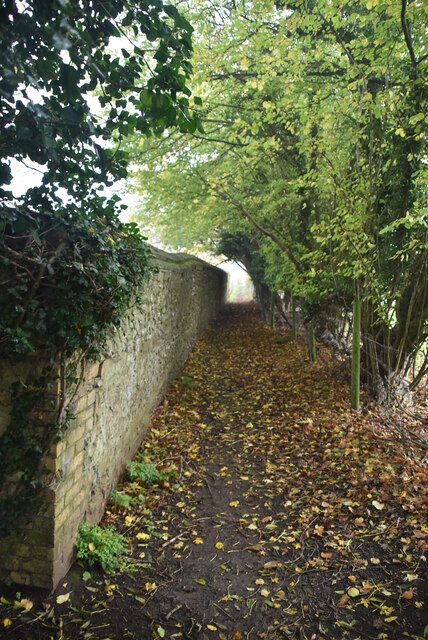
(279, 513)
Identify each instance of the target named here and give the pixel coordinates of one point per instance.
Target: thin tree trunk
(312, 345)
(293, 318)
(272, 308)
(356, 354)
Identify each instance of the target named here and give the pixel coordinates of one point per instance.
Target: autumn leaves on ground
(282, 514)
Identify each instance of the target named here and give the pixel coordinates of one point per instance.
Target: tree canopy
(314, 146)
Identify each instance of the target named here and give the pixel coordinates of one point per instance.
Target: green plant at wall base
(100, 545)
(120, 499)
(144, 471)
(186, 381)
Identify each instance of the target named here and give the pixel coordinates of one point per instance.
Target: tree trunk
(312, 345)
(356, 353)
(293, 317)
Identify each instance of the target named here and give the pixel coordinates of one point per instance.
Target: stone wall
(113, 408)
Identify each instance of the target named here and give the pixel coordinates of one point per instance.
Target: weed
(186, 381)
(120, 499)
(100, 544)
(144, 471)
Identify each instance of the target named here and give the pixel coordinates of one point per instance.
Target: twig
(168, 542)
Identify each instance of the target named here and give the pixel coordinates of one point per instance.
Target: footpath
(277, 511)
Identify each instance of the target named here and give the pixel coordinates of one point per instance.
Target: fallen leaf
(407, 595)
(161, 632)
(375, 560)
(353, 592)
(142, 536)
(378, 505)
(264, 593)
(343, 600)
(201, 581)
(64, 598)
(219, 545)
(234, 503)
(411, 576)
(6, 622)
(198, 541)
(211, 627)
(273, 564)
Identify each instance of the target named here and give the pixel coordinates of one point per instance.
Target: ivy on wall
(68, 266)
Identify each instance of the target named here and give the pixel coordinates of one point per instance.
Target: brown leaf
(273, 564)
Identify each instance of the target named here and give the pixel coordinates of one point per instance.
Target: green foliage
(100, 545)
(186, 381)
(66, 280)
(143, 470)
(54, 55)
(120, 499)
(317, 152)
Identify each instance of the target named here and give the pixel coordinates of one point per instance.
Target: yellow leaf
(219, 545)
(234, 503)
(91, 546)
(252, 526)
(400, 132)
(211, 627)
(142, 536)
(353, 592)
(6, 622)
(375, 560)
(260, 581)
(264, 593)
(64, 598)
(198, 541)
(378, 505)
(26, 604)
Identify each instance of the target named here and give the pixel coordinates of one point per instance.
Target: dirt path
(285, 515)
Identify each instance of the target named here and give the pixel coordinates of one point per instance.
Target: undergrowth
(143, 470)
(100, 545)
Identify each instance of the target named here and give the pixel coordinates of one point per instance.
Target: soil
(281, 513)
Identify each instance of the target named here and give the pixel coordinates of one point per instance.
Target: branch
(232, 144)
(236, 203)
(407, 34)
